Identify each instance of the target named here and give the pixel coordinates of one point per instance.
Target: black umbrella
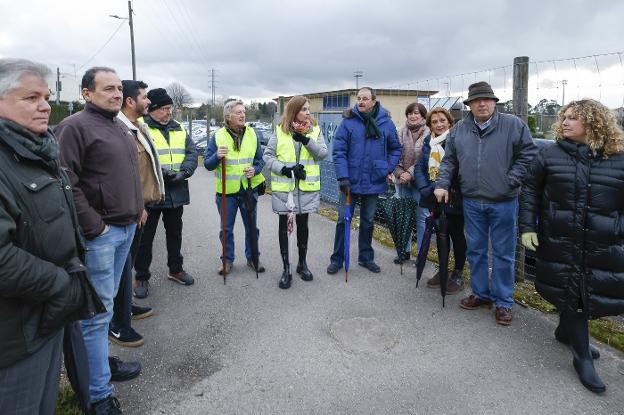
(442, 240)
(400, 216)
(77, 363)
(250, 202)
(421, 260)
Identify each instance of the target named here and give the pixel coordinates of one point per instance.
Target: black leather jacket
(43, 282)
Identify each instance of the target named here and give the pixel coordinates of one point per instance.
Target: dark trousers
(458, 238)
(172, 219)
(302, 231)
(122, 306)
(30, 386)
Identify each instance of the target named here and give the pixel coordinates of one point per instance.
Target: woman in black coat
(439, 121)
(572, 214)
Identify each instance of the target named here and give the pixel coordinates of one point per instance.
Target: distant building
(332, 102)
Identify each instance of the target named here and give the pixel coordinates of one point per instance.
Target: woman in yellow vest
(295, 151)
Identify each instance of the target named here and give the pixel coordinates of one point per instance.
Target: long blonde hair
(601, 128)
(293, 107)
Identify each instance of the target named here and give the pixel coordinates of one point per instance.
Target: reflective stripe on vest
(170, 154)
(286, 154)
(236, 161)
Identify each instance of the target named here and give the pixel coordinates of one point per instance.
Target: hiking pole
(223, 231)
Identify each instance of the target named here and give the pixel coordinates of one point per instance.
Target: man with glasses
(178, 160)
(366, 149)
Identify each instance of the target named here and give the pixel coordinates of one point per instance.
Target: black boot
(562, 337)
(286, 279)
(578, 334)
(302, 266)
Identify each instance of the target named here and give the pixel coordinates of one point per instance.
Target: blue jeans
(105, 259)
(232, 204)
(368, 205)
(495, 221)
(421, 214)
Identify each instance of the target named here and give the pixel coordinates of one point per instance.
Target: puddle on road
(363, 335)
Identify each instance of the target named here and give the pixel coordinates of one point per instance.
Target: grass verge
(67, 403)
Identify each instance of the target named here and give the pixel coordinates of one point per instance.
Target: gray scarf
(30, 145)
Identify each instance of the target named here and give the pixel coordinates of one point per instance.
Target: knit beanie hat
(158, 98)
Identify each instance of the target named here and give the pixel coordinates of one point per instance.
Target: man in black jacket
(43, 284)
(178, 160)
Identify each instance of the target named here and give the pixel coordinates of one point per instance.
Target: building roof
(379, 92)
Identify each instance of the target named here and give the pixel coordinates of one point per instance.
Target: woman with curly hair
(572, 214)
(295, 151)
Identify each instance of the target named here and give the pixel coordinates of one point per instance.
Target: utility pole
(357, 75)
(131, 23)
(563, 83)
(132, 40)
(521, 87)
(58, 86)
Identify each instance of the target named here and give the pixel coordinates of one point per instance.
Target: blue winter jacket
(365, 161)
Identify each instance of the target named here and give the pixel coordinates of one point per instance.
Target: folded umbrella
(442, 240)
(421, 260)
(347, 235)
(77, 364)
(290, 221)
(400, 214)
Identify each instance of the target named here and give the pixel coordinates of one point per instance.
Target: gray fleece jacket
(491, 166)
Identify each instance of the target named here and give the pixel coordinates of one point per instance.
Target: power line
(103, 46)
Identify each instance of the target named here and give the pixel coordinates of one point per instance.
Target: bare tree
(179, 95)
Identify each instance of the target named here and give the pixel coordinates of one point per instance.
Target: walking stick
(223, 231)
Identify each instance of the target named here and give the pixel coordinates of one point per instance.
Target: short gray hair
(12, 70)
(229, 106)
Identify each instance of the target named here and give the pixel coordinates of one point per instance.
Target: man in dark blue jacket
(366, 149)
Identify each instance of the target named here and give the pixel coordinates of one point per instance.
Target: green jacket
(43, 282)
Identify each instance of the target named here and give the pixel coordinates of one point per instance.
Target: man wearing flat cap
(489, 152)
(178, 160)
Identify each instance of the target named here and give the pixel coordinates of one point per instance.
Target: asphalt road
(376, 345)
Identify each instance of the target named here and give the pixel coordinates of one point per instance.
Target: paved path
(375, 345)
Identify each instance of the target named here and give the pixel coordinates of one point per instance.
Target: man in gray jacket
(489, 152)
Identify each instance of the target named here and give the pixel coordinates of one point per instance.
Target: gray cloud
(267, 48)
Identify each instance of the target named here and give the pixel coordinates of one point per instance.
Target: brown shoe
(472, 303)
(503, 316)
(454, 285)
(228, 267)
(434, 282)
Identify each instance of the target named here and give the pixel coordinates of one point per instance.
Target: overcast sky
(262, 49)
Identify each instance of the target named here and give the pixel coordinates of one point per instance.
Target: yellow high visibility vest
(170, 154)
(236, 161)
(286, 154)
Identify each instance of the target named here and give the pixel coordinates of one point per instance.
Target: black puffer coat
(578, 200)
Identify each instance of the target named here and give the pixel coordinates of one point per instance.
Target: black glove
(300, 138)
(299, 171)
(168, 175)
(178, 177)
(286, 171)
(344, 185)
